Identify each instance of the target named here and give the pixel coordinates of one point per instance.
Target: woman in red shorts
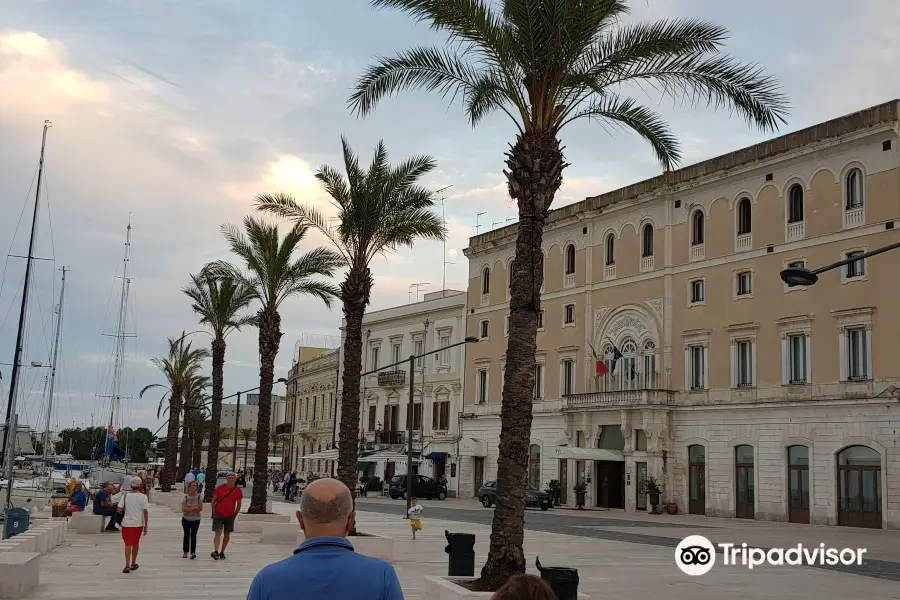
(134, 505)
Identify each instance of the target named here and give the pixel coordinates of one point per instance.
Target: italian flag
(602, 369)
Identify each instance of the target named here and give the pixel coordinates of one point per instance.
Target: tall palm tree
(220, 304)
(246, 436)
(194, 403)
(201, 432)
(271, 272)
(182, 364)
(380, 209)
(545, 64)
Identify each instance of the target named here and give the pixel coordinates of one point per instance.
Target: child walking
(415, 516)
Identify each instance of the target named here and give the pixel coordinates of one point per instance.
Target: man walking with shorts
(226, 504)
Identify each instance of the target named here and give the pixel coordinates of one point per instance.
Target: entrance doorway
(697, 480)
(641, 487)
(859, 487)
(388, 471)
(745, 493)
(798, 484)
(478, 473)
(610, 482)
(439, 469)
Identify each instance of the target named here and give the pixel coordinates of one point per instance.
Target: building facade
(391, 336)
(310, 410)
(742, 396)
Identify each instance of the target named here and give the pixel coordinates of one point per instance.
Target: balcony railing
(609, 272)
(853, 217)
(646, 264)
(570, 280)
(698, 252)
(283, 429)
(796, 231)
(744, 242)
(619, 399)
(392, 378)
(312, 425)
(390, 437)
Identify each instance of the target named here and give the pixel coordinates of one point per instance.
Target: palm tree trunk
(197, 448)
(215, 426)
(269, 341)
(184, 452)
(355, 290)
(535, 166)
(167, 479)
(246, 445)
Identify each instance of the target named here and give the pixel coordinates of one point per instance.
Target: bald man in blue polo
(325, 565)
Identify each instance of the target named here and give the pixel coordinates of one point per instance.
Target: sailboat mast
(59, 318)
(9, 439)
(120, 334)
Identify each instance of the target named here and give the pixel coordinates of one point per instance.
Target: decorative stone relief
(627, 321)
(456, 388)
(657, 305)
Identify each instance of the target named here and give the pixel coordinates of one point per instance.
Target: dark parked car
(533, 497)
(423, 487)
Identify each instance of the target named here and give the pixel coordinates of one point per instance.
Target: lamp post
(803, 276)
(409, 408)
(237, 419)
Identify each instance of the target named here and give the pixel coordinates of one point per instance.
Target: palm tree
(201, 432)
(272, 274)
(219, 304)
(194, 405)
(182, 364)
(545, 64)
(246, 435)
(380, 209)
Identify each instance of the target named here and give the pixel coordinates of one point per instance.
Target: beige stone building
(310, 407)
(742, 396)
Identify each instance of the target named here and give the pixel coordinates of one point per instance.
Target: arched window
(486, 280)
(570, 259)
(611, 249)
(795, 204)
(744, 220)
(534, 466)
(860, 487)
(647, 241)
(628, 375)
(697, 226)
(798, 484)
(854, 189)
(650, 376)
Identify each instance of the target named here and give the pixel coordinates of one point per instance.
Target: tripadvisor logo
(696, 555)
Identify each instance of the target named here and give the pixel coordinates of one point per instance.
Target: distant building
(310, 407)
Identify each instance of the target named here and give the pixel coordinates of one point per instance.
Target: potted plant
(580, 490)
(555, 490)
(653, 492)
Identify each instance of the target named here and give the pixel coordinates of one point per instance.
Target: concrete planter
(20, 572)
(367, 545)
(247, 523)
(446, 588)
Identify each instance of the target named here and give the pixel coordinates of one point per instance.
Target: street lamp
(803, 276)
(237, 419)
(409, 407)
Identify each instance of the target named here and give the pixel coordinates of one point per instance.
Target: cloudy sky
(175, 114)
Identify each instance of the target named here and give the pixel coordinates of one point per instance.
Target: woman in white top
(133, 505)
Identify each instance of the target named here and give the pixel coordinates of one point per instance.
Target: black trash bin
(461, 548)
(563, 580)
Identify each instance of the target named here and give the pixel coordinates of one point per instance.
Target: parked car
(423, 487)
(534, 497)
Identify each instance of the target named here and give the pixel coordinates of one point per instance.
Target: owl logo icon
(695, 555)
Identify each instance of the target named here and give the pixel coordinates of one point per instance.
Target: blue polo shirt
(99, 498)
(79, 498)
(327, 567)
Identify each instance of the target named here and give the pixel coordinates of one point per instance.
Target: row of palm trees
(542, 63)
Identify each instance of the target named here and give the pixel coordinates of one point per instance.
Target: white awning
(323, 455)
(274, 460)
(564, 452)
(472, 447)
(387, 456)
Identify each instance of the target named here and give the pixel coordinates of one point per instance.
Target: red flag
(602, 369)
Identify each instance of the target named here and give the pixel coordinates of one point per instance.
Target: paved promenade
(87, 567)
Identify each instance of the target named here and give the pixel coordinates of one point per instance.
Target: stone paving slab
(86, 565)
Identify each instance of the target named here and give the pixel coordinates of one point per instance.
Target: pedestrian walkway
(87, 567)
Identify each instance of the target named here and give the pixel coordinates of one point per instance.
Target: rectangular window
(744, 283)
(568, 377)
(485, 328)
(373, 411)
(538, 381)
(482, 386)
(440, 416)
(858, 267)
(540, 320)
(798, 361)
(374, 364)
(857, 354)
(445, 354)
(698, 367)
(569, 314)
(417, 416)
(698, 291)
(395, 353)
(743, 364)
(315, 402)
(418, 350)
